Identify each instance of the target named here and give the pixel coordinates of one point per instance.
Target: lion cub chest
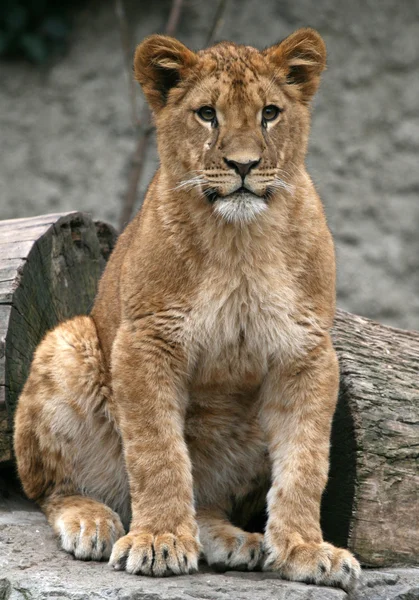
(237, 326)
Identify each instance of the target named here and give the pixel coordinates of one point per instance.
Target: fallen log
(49, 269)
(371, 504)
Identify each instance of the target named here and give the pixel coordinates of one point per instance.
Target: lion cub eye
(270, 113)
(207, 113)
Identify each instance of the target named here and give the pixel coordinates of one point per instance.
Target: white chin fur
(239, 208)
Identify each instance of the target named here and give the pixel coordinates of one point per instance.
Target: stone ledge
(32, 567)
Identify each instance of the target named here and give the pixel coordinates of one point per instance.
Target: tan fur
(206, 367)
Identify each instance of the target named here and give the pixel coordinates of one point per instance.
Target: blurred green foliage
(35, 29)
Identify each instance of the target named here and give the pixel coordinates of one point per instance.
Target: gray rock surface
(32, 567)
(67, 135)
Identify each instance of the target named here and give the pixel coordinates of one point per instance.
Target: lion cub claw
(242, 552)
(156, 555)
(89, 537)
(322, 564)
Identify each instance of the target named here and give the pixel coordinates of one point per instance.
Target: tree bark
(49, 270)
(371, 504)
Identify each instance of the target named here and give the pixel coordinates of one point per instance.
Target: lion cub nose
(242, 168)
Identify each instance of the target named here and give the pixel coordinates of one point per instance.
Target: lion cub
(205, 369)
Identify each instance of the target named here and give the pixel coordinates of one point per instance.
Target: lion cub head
(232, 121)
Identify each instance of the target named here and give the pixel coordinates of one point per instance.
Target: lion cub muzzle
(243, 204)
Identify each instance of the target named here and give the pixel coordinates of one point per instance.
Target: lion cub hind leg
(68, 451)
(227, 547)
(86, 528)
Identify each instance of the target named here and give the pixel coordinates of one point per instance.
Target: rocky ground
(67, 133)
(33, 568)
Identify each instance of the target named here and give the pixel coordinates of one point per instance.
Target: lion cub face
(237, 119)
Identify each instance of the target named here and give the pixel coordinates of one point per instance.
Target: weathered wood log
(372, 501)
(49, 270)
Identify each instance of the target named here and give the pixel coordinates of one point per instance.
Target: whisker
(192, 182)
(269, 85)
(281, 184)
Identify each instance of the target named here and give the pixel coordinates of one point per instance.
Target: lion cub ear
(160, 62)
(302, 58)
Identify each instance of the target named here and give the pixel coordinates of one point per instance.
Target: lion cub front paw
(157, 555)
(89, 536)
(241, 552)
(322, 564)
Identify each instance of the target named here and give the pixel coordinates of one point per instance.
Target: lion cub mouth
(213, 196)
(241, 206)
